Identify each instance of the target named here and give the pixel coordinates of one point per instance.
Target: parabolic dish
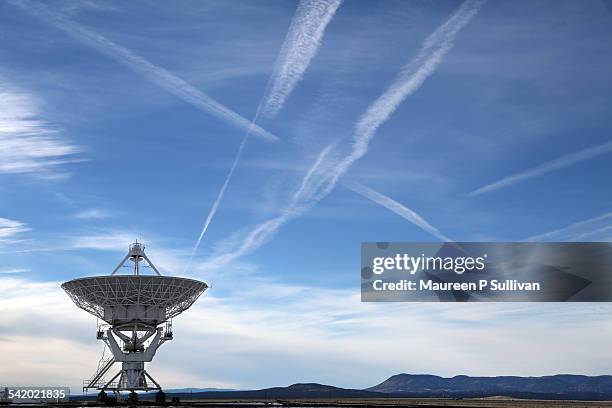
(134, 298)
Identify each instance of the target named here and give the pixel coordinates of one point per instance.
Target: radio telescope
(136, 310)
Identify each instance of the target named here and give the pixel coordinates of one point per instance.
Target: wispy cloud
(329, 166)
(28, 143)
(547, 167)
(576, 230)
(92, 214)
(109, 240)
(10, 228)
(397, 208)
(13, 271)
(159, 76)
(166, 258)
(301, 44)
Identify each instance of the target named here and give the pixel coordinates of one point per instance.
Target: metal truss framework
(174, 295)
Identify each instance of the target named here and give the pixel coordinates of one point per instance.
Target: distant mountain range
(555, 387)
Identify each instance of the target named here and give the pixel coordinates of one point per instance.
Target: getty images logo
(412, 264)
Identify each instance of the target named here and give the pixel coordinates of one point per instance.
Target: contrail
(591, 233)
(141, 66)
(300, 46)
(547, 167)
(410, 79)
(569, 228)
(306, 181)
(323, 175)
(215, 206)
(397, 208)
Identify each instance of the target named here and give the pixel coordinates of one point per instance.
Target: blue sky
(499, 131)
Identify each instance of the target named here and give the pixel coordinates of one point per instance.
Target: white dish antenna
(137, 310)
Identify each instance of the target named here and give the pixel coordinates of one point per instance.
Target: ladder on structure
(97, 381)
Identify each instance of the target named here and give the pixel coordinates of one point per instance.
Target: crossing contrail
(547, 167)
(410, 79)
(300, 46)
(328, 168)
(159, 76)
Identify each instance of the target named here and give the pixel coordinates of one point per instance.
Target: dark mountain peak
(405, 375)
(560, 384)
(311, 387)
